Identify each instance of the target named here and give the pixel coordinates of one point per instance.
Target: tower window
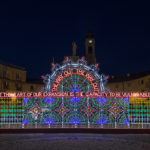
(90, 49)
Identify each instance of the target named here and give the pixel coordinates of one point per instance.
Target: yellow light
(135, 94)
(12, 95)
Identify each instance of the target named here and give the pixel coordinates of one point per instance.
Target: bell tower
(90, 48)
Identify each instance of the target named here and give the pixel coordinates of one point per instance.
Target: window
(4, 73)
(17, 76)
(148, 84)
(5, 85)
(142, 81)
(18, 87)
(129, 84)
(31, 88)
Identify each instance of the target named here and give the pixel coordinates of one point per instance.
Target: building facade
(137, 82)
(13, 79)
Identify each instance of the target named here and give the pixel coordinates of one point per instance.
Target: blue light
(101, 99)
(126, 121)
(24, 121)
(75, 121)
(49, 121)
(75, 89)
(75, 99)
(126, 99)
(48, 99)
(25, 99)
(102, 121)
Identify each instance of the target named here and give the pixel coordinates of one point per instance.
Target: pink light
(97, 65)
(107, 77)
(52, 64)
(69, 72)
(83, 58)
(74, 94)
(42, 76)
(66, 57)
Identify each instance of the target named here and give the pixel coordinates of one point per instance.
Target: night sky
(32, 33)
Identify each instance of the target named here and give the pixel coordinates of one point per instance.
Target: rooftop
(128, 77)
(11, 65)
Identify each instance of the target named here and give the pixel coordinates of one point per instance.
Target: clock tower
(90, 48)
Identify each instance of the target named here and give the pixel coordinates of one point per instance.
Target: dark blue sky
(33, 32)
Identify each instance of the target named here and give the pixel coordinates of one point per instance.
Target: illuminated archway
(75, 75)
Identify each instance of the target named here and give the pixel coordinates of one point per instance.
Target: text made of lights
(74, 94)
(81, 72)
